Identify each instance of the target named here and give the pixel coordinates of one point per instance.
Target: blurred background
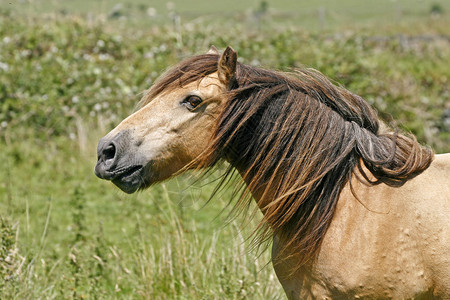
(70, 70)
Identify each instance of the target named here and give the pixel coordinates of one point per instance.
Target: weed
(10, 259)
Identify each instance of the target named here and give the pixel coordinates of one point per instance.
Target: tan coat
(395, 246)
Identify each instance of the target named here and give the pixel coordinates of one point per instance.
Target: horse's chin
(127, 187)
(139, 181)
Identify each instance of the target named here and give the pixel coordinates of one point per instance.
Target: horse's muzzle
(115, 163)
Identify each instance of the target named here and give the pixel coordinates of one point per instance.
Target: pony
(354, 208)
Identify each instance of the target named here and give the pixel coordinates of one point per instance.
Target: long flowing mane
(297, 139)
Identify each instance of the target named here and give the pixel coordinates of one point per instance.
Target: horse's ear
(213, 50)
(226, 68)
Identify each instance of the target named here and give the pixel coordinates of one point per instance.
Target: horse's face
(164, 136)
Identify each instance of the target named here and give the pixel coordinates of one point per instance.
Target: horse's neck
(262, 195)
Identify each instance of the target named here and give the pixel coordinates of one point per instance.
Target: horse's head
(172, 128)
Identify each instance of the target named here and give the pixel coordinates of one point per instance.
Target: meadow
(69, 74)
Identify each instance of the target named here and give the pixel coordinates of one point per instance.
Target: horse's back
(430, 191)
(441, 164)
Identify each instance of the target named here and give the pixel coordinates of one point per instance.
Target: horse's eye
(192, 101)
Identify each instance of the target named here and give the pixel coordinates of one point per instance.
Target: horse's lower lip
(123, 173)
(128, 179)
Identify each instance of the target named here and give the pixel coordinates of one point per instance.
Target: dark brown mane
(297, 139)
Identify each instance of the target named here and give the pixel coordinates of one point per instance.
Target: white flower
(170, 6)
(149, 54)
(104, 56)
(151, 12)
(100, 43)
(97, 106)
(25, 53)
(4, 66)
(87, 57)
(255, 62)
(126, 90)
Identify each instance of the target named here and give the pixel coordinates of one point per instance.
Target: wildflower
(4, 66)
(100, 43)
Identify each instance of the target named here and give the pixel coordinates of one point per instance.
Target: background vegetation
(71, 70)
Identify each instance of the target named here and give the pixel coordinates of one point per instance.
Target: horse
(355, 209)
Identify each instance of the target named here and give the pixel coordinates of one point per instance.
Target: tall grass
(81, 238)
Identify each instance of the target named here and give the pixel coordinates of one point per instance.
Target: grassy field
(347, 8)
(68, 74)
(312, 15)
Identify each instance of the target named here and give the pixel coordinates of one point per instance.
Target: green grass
(78, 237)
(305, 14)
(67, 80)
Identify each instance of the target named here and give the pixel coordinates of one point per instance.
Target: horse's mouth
(128, 179)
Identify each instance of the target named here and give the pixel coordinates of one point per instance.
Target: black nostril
(107, 156)
(109, 152)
